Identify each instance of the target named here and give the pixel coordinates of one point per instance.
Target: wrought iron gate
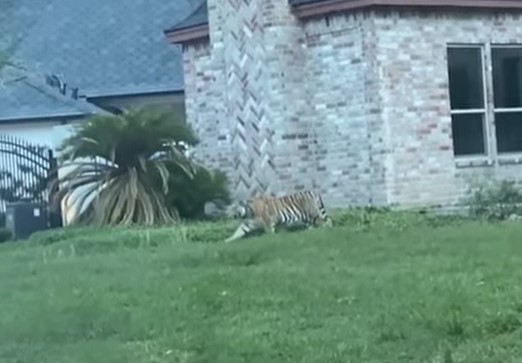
(26, 170)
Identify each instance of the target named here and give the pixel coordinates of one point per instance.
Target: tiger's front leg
(268, 225)
(241, 231)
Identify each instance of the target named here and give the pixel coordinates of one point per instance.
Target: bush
(495, 201)
(5, 235)
(114, 161)
(189, 195)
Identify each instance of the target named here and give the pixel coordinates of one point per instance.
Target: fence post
(55, 208)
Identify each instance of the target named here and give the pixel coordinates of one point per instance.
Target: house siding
(244, 99)
(343, 104)
(286, 120)
(414, 89)
(353, 105)
(204, 106)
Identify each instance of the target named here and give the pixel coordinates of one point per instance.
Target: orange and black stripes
(269, 212)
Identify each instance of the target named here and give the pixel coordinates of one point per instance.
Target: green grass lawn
(380, 294)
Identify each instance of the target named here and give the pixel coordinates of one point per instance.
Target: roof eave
(128, 93)
(45, 118)
(186, 35)
(332, 6)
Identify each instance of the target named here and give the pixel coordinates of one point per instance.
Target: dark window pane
(507, 77)
(509, 132)
(465, 78)
(468, 134)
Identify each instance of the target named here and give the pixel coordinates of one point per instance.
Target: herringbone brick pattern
(245, 73)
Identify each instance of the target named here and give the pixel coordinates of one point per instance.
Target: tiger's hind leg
(321, 213)
(328, 222)
(269, 226)
(272, 228)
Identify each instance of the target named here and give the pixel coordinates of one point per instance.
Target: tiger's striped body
(269, 212)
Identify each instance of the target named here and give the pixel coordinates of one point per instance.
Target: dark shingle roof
(198, 17)
(103, 47)
(302, 2)
(26, 96)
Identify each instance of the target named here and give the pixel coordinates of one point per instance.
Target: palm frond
(114, 162)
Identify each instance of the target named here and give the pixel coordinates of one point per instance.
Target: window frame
(486, 124)
(502, 156)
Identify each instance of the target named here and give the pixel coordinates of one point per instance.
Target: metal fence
(26, 170)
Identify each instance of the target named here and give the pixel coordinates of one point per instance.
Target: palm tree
(112, 165)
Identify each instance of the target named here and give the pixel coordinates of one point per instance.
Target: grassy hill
(373, 290)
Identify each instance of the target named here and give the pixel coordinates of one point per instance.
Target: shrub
(495, 201)
(189, 195)
(116, 161)
(5, 235)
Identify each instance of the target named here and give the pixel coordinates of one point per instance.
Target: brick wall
(247, 84)
(343, 112)
(414, 90)
(297, 102)
(205, 111)
(353, 105)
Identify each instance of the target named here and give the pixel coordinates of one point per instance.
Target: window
(472, 114)
(507, 90)
(468, 106)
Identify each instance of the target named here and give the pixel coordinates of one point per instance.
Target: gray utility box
(25, 218)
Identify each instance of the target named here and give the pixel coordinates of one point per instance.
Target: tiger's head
(238, 209)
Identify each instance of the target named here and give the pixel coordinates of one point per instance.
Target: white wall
(50, 134)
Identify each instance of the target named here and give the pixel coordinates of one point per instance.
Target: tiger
(269, 212)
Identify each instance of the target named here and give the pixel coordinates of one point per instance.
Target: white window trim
(471, 111)
(485, 158)
(508, 110)
(505, 157)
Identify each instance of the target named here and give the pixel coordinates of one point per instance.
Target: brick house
(368, 101)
